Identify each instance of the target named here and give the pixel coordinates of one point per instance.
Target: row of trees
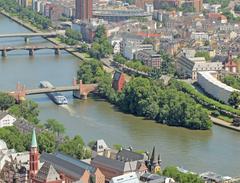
(148, 98)
(27, 14)
(71, 37)
(167, 65)
(135, 64)
(101, 46)
(48, 140)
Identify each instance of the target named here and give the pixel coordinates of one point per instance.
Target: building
(155, 178)
(189, 67)
(230, 65)
(211, 85)
(118, 15)
(19, 167)
(126, 178)
(149, 58)
(47, 174)
(6, 119)
(113, 168)
(33, 157)
(198, 5)
(148, 8)
(83, 9)
(118, 81)
(71, 169)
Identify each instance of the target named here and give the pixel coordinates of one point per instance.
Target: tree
(234, 99)
(26, 109)
(55, 126)
(46, 142)
(75, 147)
(6, 101)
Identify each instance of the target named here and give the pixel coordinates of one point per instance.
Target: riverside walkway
(222, 123)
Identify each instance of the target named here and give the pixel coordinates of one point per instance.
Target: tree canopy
(6, 101)
(27, 110)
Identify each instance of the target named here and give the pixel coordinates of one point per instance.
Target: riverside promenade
(225, 124)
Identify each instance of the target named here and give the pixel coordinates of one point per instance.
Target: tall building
(198, 5)
(34, 157)
(83, 9)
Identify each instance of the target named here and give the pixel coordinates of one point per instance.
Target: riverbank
(34, 29)
(225, 124)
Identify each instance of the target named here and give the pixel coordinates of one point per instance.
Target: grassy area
(225, 118)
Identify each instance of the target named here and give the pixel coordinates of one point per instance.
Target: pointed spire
(159, 159)
(153, 157)
(34, 139)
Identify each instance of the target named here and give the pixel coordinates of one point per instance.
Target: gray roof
(66, 164)
(47, 173)
(116, 164)
(127, 155)
(116, 75)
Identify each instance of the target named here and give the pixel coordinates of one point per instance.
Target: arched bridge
(28, 35)
(79, 90)
(32, 49)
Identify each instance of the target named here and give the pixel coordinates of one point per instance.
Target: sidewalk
(222, 123)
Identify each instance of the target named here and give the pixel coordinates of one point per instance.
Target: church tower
(155, 162)
(34, 156)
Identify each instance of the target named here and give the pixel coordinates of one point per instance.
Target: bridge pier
(4, 53)
(26, 39)
(57, 51)
(31, 52)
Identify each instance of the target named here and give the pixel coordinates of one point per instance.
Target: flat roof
(208, 76)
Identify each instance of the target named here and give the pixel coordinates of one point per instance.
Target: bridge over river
(28, 35)
(79, 90)
(32, 49)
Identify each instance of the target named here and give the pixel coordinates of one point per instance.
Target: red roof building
(118, 81)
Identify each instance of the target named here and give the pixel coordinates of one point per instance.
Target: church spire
(153, 157)
(34, 139)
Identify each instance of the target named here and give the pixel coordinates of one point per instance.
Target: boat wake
(70, 110)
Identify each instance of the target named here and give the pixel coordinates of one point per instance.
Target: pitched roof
(117, 75)
(34, 139)
(115, 164)
(66, 164)
(47, 173)
(128, 155)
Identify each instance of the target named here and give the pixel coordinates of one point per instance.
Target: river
(217, 150)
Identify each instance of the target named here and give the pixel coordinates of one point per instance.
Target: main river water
(216, 150)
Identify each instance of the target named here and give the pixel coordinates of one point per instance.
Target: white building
(148, 8)
(202, 36)
(189, 67)
(126, 178)
(6, 119)
(211, 85)
(116, 43)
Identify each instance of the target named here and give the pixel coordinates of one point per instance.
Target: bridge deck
(29, 35)
(49, 90)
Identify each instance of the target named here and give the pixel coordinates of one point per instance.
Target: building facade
(149, 58)
(189, 67)
(83, 9)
